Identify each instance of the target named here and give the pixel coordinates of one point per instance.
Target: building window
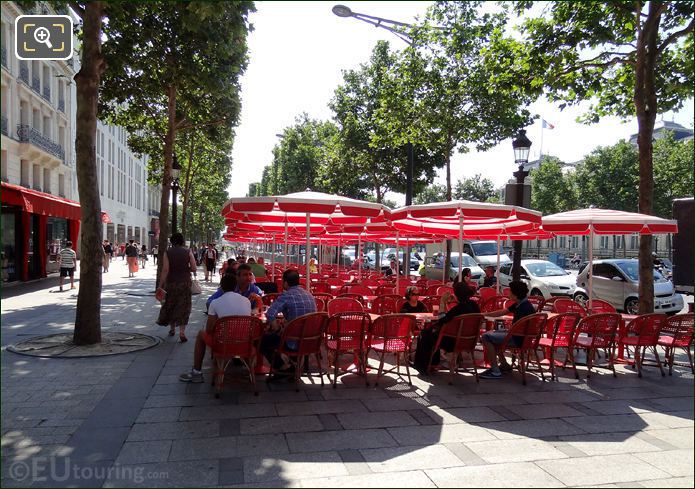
(36, 174)
(61, 185)
(47, 180)
(3, 168)
(24, 177)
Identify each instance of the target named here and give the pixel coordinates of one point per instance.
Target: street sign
(150, 233)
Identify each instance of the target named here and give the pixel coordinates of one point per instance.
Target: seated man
(228, 304)
(490, 278)
(493, 339)
(257, 269)
(292, 303)
(246, 287)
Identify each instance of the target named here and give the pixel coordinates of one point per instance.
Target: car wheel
(632, 305)
(537, 293)
(581, 298)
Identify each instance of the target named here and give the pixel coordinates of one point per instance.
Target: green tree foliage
(553, 190)
(432, 193)
(475, 188)
(673, 173)
(173, 67)
(626, 58)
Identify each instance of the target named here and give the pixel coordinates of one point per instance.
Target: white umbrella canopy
(604, 221)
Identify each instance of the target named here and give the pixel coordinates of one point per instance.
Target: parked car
(484, 253)
(435, 264)
(617, 280)
(390, 253)
(544, 278)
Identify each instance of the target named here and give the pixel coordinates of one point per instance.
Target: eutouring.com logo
(53, 469)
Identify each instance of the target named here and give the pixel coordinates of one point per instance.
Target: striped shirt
(68, 257)
(292, 303)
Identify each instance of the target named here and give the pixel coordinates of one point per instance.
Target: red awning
(39, 202)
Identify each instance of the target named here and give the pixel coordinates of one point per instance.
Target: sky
(297, 52)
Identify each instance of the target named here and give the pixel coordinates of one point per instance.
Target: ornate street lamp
(522, 147)
(175, 172)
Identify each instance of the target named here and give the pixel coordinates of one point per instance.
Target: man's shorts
(67, 272)
(210, 264)
(497, 338)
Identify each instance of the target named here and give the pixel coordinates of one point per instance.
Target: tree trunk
(186, 189)
(88, 310)
(646, 110)
(169, 140)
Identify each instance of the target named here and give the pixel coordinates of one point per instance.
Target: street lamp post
(175, 172)
(522, 146)
(394, 27)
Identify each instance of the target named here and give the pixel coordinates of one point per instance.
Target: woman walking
(177, 265)
(143, 256)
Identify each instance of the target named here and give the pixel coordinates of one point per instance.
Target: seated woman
(413, 305)
(427, 338)
(226, 264)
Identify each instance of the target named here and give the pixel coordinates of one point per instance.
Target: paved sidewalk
(126, 420)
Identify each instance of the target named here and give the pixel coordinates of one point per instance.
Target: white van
(484, 252)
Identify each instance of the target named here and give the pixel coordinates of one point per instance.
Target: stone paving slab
(498, 475)
(410, 458)
(293, 467)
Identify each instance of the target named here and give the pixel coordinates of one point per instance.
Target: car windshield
(467, 261)
(544, 269)
(631, 269)
(484, 249)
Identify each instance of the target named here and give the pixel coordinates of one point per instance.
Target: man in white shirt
(228, 304)
(68, 260)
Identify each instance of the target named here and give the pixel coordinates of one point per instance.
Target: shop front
(35, 227)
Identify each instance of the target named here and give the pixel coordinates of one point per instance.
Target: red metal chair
(464, 331)
(506, 291)
(359, 290)
(559, 334)
(486, 292)
(402, 286)
(599, 306)
(320, 304)
(563, 305)
(430, 301)
(642, 333)
(370, 282)
(344, 304)
(443, 289)
(392, 333)
(432, 289)
(358, 297)
(327, 297)
(321, 287)
(235, 337)
(385, 290)
(387, 304)
(306, 333)
(494, 304)
(268, 299)
(530, 327)
(346, 332)
(335, 281)
(593, 333)
(677, 333)
(549, 304)
(537, 302)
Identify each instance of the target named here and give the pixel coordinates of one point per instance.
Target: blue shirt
(253, 289)
(292, 303)
(218, 293)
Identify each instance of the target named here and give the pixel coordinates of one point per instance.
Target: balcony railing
(27, 134)
(4, 57)
(47, 93)
(36, 84)
(61, 105)
(24, 72)
(4, 125)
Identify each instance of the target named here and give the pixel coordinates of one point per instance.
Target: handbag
(196, 288)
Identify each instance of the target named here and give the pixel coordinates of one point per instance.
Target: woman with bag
(175, 283)
(143, 256)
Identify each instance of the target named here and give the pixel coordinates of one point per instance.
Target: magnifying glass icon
(43, 36)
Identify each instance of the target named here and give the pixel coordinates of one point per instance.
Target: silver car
(544, 278)
(616, 281)
(434, 267)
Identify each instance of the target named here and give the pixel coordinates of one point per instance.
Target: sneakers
(192, 376)
(491, 374)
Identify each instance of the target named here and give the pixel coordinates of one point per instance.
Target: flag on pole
(546, 124)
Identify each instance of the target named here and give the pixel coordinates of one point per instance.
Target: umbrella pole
(443, 264)
(591, 264)
(359, 251)
(497, 272)
(398, 271)
(460, 246)
(306, 253)
(284, 259)
(272, 261)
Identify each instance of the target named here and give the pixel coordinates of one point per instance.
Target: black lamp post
(175, 172)
(522, 147)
